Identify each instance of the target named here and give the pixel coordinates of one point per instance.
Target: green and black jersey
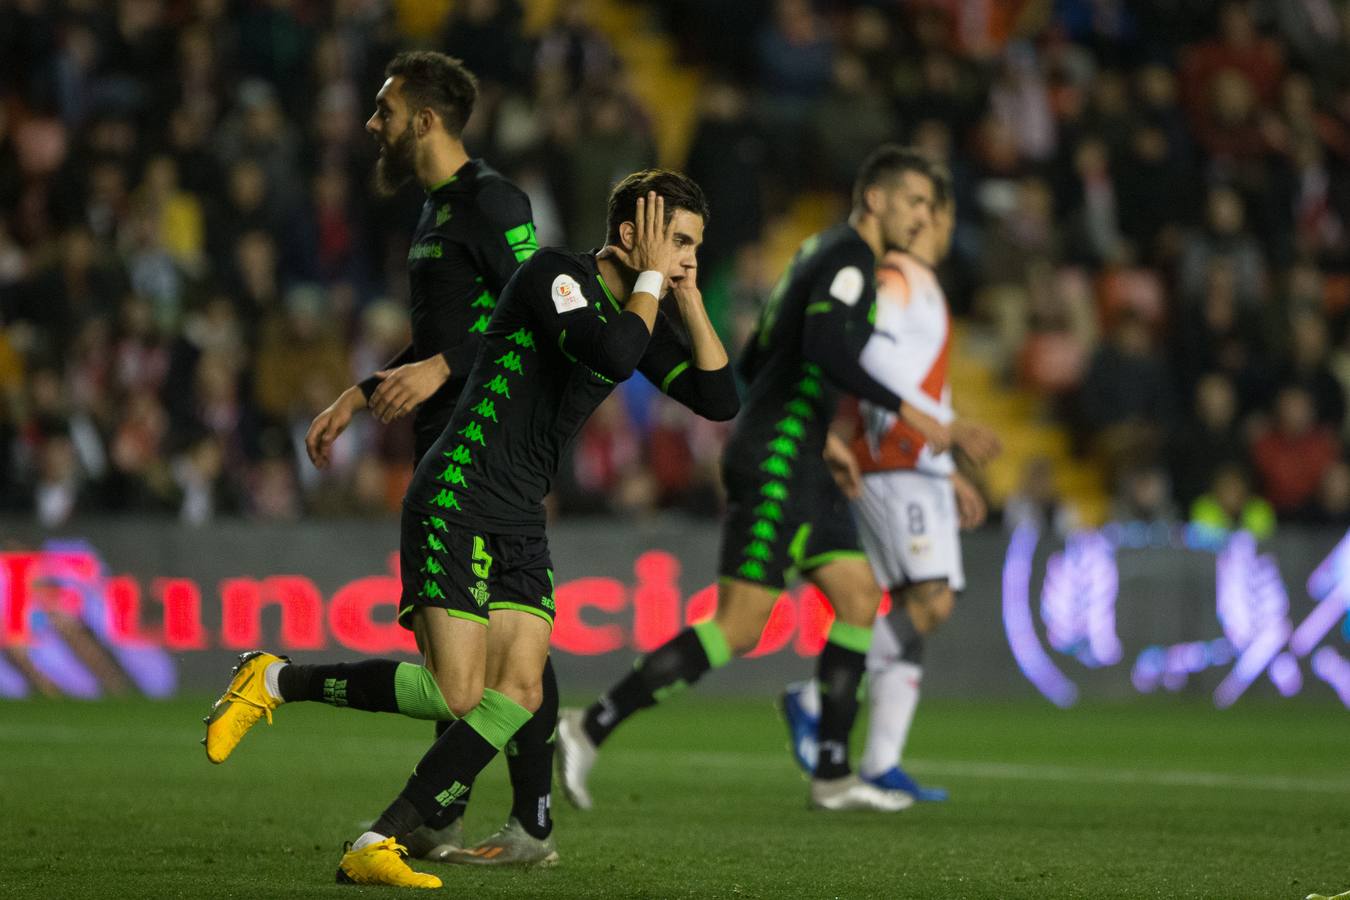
(803, 355)
(805, 352)
(556, 345)
(474, 232)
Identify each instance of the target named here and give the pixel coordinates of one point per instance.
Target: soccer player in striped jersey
(909, 499)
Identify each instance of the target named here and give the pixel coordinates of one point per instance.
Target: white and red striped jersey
(908, 353)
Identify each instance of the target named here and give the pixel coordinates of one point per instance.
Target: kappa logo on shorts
(567, 294)
(920, 546)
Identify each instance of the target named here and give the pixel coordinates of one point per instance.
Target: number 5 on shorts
(482, 560)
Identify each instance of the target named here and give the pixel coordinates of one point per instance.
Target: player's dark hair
(886, 164)
(438, 82)
(942, 183)
(679, 190)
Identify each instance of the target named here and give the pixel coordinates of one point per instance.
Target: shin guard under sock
(447, 770)
(367, 685)
(839, 672)
(529, 758)
(679, 662)
(455, 811)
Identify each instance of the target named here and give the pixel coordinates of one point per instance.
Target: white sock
(810, 697)
(272, 680)
(893, 694)
(367, 839)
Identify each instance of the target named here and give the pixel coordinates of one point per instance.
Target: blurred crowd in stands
(1153, 198)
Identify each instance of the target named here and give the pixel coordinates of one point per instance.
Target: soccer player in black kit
(785, 514)
(474, 231)
(478, 580)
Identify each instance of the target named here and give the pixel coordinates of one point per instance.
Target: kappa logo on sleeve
(847, 286)
(567, 294)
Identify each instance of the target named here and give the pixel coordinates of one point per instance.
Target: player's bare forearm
(705, 346)
(407, 387)
(937, 435)
(979, 442)
(353, 398)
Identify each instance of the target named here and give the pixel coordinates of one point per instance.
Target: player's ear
(874, 199)
(627, 235)
(425, 120)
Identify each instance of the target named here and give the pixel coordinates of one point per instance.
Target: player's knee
(859, 605)
(940, 608)
(742, 632)
(461, 697)
(741, 623)
(526, 693)
(927, 604)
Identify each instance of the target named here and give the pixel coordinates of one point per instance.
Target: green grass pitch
(699, 799)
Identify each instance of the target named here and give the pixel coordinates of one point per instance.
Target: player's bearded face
(396, 162)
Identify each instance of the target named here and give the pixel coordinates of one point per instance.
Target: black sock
(909, 638)
(529, 757)
(443, 774)
(839, 671)
(678, 662)
(367, 685)
(455, 811)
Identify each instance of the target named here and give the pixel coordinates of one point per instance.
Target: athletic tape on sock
(417, 694)
(497, 717)
(714, 643)
(851, 637)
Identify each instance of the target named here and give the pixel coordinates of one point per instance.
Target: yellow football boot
(381, 863)
(244, 702)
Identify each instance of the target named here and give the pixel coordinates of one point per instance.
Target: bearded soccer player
(804, 353)
(477, 578)
(474, 232)
(909, 500)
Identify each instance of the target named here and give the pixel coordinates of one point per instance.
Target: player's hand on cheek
(407, 387)
(686, 290)
(653, 238)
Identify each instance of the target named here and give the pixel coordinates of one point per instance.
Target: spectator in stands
(296, 349)
(1238, 48)
(1224, 240)
(1126, 401)
(1331, 506)
(1144, 495)
(1293, 455)
(1207, 439)
(1309, 367)
(849, 122)
(1230, 506)
(726, 156)
(1037, 502)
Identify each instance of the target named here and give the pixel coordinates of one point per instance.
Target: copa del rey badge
(567, 294)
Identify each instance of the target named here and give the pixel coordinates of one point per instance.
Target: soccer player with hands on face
(785, 514)
(477, 577)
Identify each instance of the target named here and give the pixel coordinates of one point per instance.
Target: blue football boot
(896, 779)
